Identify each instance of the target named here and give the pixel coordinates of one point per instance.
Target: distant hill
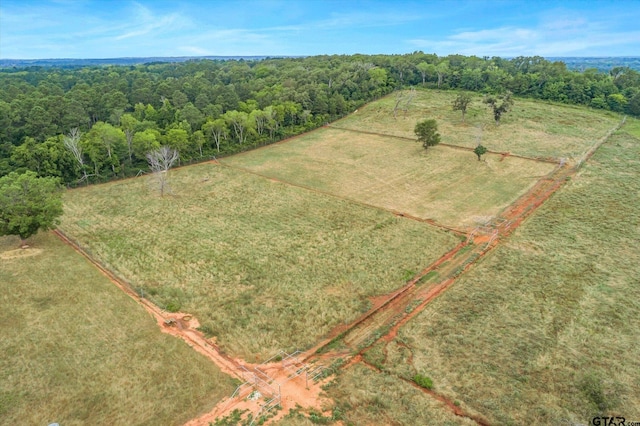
(573, 63)
(601, 64)
(72, 63)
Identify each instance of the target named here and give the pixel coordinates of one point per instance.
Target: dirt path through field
(277, 382)
(285, 382)
(292, 390)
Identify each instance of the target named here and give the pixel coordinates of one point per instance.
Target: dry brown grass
(531, 128)
(77, 351)
(445, 184)
(264, 266)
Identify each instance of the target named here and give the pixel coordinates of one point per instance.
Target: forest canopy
(114, 115)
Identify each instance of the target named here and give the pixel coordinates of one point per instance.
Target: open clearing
(264, 266)
(269, 252)
(531, 128)
(77, 351)
(447, 185)
(545, 329)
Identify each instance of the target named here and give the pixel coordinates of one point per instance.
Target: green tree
(442, 69)
(28, 203)
(192, 115)
(461, 103)
(145, 141)
(128, 124)
(480, 150)
(427, 133)
(217, 129)
(47, 158)
(425, 69)
(617, 102)
(239, 122)
(104, 139)
(198, 140)
(633, 107)
(178, 140)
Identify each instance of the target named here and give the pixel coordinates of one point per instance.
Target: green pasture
(77, 351)
(545, 330)
(264, 266)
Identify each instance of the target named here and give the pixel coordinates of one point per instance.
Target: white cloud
(144, 22)
(561, 36)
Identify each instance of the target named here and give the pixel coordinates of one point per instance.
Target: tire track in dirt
(294, 392)
(386, 304)
(451, 264)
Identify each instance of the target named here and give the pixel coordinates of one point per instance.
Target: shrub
(423, 381)
(173, 306)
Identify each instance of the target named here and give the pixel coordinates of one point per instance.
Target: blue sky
(37, 29)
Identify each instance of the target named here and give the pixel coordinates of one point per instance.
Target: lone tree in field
(461, 103)
(160, 161)
(28, 203)
(480, 150)
(427, 133)
(499, 105)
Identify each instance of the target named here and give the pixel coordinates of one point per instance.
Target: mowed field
(264, 266)
(447, 185)
(546, 329)
(530, 128)
(77, 351)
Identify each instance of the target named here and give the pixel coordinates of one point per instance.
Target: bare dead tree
(407, 104)
(72, 143)
(160, 161)
(399, 96)
(403, 101)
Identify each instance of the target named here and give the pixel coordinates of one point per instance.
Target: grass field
(445, 184)
(531, 128)
(546, 329)
(367, 397)
(264, 266)
(77, 351)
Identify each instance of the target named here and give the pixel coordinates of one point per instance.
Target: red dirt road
(382, 322)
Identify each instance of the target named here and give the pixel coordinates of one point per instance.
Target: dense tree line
(96, 123)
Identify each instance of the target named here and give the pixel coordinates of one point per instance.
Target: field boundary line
(587, 155)
(448, 145)
(410, 285)
(446, 401)
(347, 199)
(528, 203)
(191, 337)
